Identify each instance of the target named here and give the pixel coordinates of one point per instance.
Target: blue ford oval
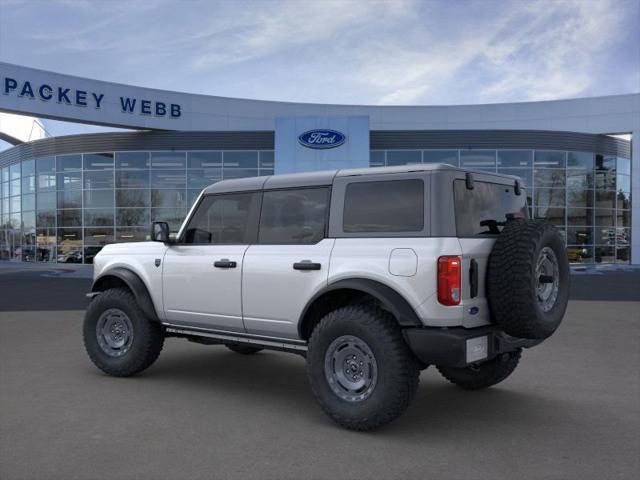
(322, 138)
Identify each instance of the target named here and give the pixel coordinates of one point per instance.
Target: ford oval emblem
(322, 138)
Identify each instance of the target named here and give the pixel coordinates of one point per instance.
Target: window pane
(70, 199)
(582, 160)
(241, 159)
(294, 216)
(133, 217)
(487, 202)
(580, 235)
(46, 219)
(91, 251)
(132, 234)
(169, 198)
(440, 156)
(403, 157)
(266, 159)
(402, 210)
(132, 179)
(132, 159)
(98, 179)
(478, 159)
(579, 178)
(580, 198)
(98, 217)
(45, 165)
(624, 200)
(28, 168)
(604, 217)
(526, 174)
(168, 160)
(70, 218)
(623, 236)
(623, 166)
(239, 173)
(133, 198)
(28, 184)
(605, 236)
(580, 254)
(549, 159)
(549, 178)
(223, 219)
(203, 178)
(14, 204)
(4, 177)
(376, 158)
(29, 202)
(623, 255)
(168, 179)
(14, 187)
(623, 218)
(98, 235)
(98, 161)
(605, 199)
(554, 215)
(605, 255)
(69, 180)
(605, 163)
(204, 159)
(98, 199)
(623, 183)
(515, 158)
(579, 216)
(46, 181)
(549, 197)
(69, 162)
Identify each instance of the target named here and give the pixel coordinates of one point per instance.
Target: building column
(635, 197)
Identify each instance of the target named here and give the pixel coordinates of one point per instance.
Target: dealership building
(63, 198)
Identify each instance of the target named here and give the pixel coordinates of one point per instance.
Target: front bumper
(460, 347)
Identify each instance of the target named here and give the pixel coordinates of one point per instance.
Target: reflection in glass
(440, 156)
(478, 159)
(69, 162)
(515, 158)
(604, 217)
(403, 157)
(579, 216)
(240, 159)
(98, 199)
(133, 198)
(98, 217)
(98, 179)
(98, 161)
(549, 197)
(168, 179)
(204, 159)
(44, 165)
(132, 160)
(168, 198)
(583, 160)
(580, 235)
(580, 254)
(70, 199)
(605, 255)
(132, 216)
(132, 179)
(376, 158)
(70, 218)
(549, 178)
(168, 160)
(549, 159)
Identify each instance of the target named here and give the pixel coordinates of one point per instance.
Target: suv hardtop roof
(325, 178)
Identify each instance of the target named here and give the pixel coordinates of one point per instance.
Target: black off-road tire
(397, 369)
(484, 375)
(243, 349)
(147, 339)
(512, 281)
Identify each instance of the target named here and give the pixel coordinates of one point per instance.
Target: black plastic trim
(135, 284)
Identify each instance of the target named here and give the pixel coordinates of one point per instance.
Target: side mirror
(160, 232)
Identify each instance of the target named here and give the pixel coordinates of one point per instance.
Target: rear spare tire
(528, 279)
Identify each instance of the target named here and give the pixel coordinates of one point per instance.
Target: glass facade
(587, 196)
(66, 208)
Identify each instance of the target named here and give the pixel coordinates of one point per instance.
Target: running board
(274, 343)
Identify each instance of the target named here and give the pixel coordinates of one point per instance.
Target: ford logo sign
(322, 138)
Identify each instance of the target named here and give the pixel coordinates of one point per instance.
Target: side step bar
(273, 343)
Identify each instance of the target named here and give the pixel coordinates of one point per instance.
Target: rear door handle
(224, 263)
(306, 265)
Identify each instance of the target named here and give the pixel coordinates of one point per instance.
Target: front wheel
(476, 377)
(118, 337)
(360, 369)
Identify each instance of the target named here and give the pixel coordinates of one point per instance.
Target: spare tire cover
(528, 279)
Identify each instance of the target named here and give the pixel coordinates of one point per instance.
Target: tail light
(449, 281)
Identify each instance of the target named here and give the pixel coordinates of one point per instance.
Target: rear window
(384, 206)
(481, 210)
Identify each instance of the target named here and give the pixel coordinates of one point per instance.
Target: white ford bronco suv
(371, 274)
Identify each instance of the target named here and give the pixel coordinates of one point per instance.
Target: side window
(224, 219)
(482, 211)
(293, 216)
(384, 206)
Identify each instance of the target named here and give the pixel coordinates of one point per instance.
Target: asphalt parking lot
(570, 411)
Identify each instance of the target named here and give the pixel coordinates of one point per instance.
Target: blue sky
(367, 52)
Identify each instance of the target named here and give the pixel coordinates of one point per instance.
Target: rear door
(202, 274)
(290, 262)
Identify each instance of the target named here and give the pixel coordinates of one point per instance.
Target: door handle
(306, 265)
(224, 263)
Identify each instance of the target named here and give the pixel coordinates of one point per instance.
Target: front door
(202, 272)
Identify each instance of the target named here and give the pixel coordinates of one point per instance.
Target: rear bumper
(460, 347)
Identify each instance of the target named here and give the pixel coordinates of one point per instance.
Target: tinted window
(384, 206)
(224, 219)
(486, 203)
(294, 216)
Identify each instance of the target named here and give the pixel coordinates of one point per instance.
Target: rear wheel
(243, 349)
(476, 377)
(118, 337)
(360, 369)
